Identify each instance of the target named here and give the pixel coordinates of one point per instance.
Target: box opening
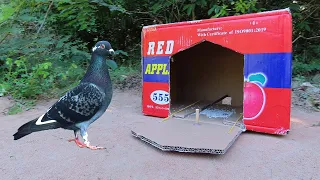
(208, 77)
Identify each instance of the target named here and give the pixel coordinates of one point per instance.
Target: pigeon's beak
(94, 48)
(111, 51)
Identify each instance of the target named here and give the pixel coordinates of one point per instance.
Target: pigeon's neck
(98, 64)
(97, 71)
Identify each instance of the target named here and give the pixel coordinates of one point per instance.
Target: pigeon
(83, 104)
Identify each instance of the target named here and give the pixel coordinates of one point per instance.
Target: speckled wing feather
(77, 105)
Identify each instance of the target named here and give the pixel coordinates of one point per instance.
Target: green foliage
(45, 45)
(306, 37)
(20, 106)
(24, 82)
(302, 68)
(175, 10)
(230, 7)
(123, 74)
(31, 63)
(38, 64)
(15, 109)
(76, 15)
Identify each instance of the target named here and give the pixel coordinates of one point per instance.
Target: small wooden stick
(197, 115)
(235, 123)
(165, 119)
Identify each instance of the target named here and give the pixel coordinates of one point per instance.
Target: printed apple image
(254, 98)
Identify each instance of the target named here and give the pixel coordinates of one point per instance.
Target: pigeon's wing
(77, 105)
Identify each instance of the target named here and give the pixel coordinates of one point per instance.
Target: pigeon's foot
(87, 144)
(79, 143)
(95, 147)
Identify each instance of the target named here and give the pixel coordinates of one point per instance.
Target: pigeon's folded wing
(77, 105)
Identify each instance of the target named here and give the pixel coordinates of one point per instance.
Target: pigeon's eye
(102, 46)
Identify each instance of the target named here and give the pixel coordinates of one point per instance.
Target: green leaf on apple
(258, 77)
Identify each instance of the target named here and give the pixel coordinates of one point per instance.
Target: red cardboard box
(197, 64)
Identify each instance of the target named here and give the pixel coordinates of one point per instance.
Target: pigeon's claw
(95, 147)
(87, 143)
(79, 143)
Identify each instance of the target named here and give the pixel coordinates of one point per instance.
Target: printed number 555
(160, 97)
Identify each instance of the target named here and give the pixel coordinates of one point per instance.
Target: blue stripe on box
(275, 66)
(156, 69)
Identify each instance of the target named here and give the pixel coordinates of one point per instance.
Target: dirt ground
(48, 154)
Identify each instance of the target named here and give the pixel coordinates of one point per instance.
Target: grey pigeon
(82, 105)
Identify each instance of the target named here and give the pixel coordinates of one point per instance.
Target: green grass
(122, 72)
(20, 106)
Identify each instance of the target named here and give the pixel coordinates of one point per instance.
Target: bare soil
(48, 154)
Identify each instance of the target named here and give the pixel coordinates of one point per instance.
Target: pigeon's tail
(34, 126)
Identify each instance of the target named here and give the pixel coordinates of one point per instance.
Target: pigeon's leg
(76, 140)
(84, 135)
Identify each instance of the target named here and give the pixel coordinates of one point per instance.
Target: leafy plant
(20, 106)
(45, 46)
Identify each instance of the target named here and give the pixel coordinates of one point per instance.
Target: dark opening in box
(209, 77)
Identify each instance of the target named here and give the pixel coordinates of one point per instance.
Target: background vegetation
(45, 45)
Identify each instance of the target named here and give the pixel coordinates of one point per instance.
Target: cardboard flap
(187, 136)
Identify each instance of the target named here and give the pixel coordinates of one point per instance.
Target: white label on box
(160, 97)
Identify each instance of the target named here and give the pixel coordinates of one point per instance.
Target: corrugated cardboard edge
(142, 72)
(185, 149)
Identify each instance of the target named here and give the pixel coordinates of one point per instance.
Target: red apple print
(253, 100)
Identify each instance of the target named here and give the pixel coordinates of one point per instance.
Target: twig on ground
(314, 37)
(45, 17)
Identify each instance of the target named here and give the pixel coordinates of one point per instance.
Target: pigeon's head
(103, 48)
